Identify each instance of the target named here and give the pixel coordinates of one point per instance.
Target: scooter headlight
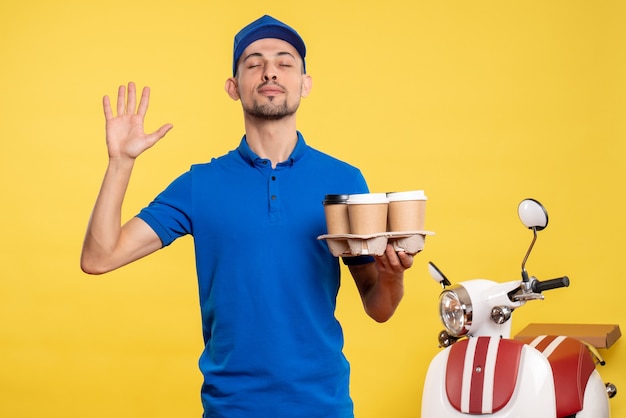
(455, 310)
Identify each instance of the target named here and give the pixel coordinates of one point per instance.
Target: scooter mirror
(532, 214)
(436, 274)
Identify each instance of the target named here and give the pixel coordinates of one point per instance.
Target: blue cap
(266, 27)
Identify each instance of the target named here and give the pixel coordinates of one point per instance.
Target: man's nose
(270, 73)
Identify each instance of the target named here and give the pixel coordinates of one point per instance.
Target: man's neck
(273, 140)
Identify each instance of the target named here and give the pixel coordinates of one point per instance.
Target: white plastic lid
(408, 195)
(368, 198)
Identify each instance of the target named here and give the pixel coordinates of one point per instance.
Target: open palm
(125, 134)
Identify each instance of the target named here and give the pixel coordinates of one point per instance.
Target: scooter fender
(596, 400)
(531, 384)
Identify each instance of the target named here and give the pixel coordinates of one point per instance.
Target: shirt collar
(249, 156)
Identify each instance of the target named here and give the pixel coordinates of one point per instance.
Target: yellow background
(479, 103)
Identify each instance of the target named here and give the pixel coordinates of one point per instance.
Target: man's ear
(231, 88)
(307, 84)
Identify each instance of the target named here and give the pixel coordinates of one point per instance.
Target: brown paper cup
(407, 211)
(367, 213)
(336, 211)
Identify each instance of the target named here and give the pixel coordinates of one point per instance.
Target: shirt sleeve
(169, 214)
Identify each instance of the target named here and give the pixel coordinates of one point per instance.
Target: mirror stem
(532, 244)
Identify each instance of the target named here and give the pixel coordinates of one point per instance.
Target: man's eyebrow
(252, 55)
(286, 53)
(259, 55)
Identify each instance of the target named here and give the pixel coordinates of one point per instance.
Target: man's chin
(270, 113)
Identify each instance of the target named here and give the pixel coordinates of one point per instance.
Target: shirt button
(273, 178)
(273, 197)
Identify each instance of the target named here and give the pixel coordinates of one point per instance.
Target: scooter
(482, 371)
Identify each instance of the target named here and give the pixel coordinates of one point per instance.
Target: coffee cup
(407, 211)
(336, 211)
(367, 213)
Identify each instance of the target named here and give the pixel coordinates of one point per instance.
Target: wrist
(120, 163)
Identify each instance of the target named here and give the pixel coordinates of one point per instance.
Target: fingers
(126, 107)
(160, 133)
(406, 260)
(121, 100)
(143, 103)
(126, 103)
(155, 136)
(131, 100)
(395, 260)
(106, 105)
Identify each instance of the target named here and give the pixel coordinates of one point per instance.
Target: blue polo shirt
(268, 287)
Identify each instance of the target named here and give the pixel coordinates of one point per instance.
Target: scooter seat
(572, 366)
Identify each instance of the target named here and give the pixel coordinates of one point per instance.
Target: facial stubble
(270, 110)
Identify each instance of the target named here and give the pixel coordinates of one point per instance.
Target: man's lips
(271, 90)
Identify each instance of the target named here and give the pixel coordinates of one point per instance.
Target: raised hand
(125, 134)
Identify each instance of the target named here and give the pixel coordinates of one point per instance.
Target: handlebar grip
(539, 287)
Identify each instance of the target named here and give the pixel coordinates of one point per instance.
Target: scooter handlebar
(539, 287)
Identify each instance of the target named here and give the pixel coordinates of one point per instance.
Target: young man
(273, 346)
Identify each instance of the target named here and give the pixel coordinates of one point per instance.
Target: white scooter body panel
(533, 395)
(596, 400)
